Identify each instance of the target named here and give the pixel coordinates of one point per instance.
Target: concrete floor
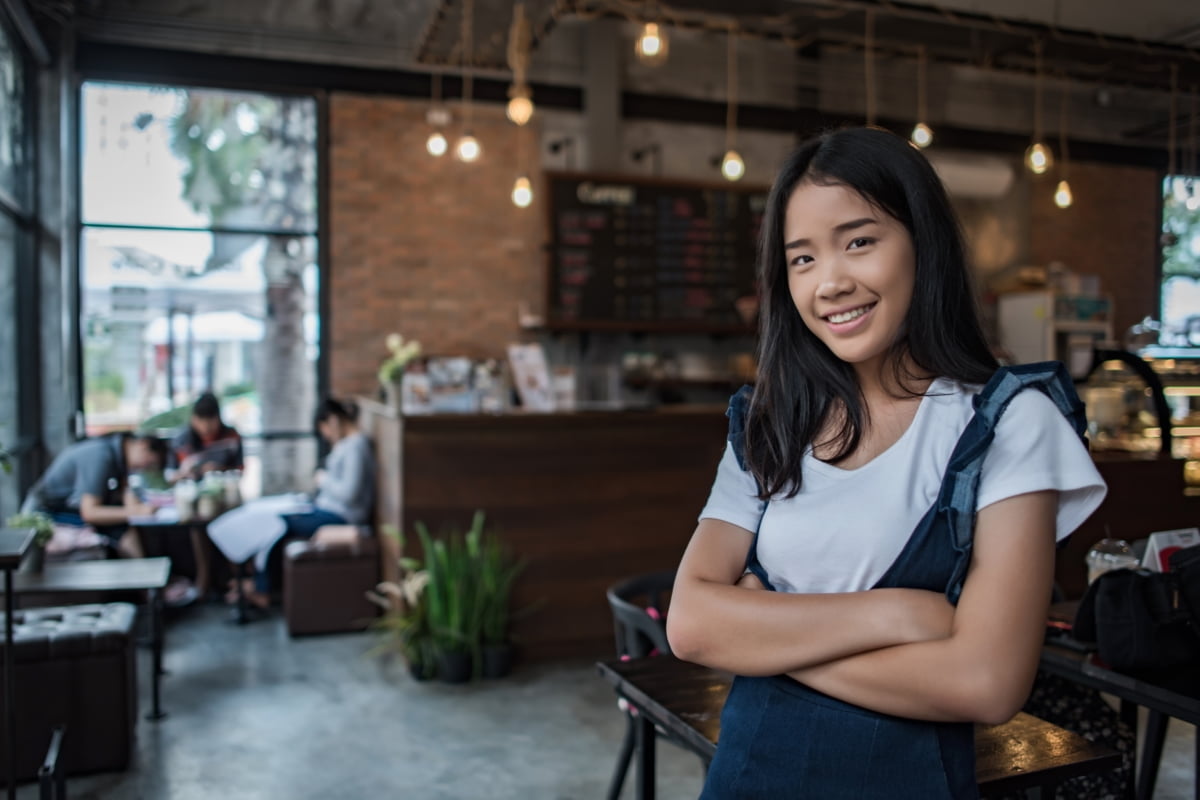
(255, 714)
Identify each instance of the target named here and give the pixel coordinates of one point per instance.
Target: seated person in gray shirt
(88, 483)
(345, 488)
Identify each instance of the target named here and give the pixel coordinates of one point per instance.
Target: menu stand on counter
(13, 544)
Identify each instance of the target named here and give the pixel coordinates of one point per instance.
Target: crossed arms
(905, 652)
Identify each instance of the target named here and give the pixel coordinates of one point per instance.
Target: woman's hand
(750, 581)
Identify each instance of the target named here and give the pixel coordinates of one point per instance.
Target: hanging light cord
(1037, 90)
(437, 88)
(467, 55)
(921, 107)
(731, 90)
(1171, 122)
(1062, 130)
(869, 65)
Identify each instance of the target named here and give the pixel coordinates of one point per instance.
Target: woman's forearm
(940, 681)
(768, 633)
(713, 622)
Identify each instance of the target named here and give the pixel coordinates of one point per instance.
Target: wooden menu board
(643, 254)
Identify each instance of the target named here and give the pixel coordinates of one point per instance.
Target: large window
(1181, 263)
(199, 266)
(16, 172)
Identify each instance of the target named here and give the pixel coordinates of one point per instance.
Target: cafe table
(685, 700)
(116, 575)
(1164, 696)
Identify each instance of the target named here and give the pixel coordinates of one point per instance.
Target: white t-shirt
(846, 526)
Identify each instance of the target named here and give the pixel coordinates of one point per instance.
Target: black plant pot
(418, 671)
(497, 660)
(454, 667)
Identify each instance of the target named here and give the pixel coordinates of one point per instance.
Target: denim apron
(780, 739)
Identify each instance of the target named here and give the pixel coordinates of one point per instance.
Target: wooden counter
(592, 498)
(588, 498)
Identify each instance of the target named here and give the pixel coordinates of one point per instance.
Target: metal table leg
(645, 748)
(157, 632)
(1152, 747)
(10, 711)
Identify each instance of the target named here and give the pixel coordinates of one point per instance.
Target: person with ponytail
(874, 563)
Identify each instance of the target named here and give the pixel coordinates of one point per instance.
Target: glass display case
(1146, 404)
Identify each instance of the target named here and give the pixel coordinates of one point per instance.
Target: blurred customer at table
(207, 444)
(88, 483)
(345, 496)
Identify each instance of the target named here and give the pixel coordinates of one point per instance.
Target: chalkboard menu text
(642, 254)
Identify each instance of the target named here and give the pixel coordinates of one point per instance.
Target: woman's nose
(835, 283)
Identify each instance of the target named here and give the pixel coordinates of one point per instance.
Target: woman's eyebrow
(843, 228)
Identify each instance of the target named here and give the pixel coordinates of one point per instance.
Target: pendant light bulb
(1038, 158)
(522, 192)
(520, 105)
(436, 144)
(1062, 195)
(652, 45)
(922, 135)
(732, 166)
(467, 149)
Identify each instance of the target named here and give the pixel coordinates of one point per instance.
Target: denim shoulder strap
(739, 405)
(960, 485)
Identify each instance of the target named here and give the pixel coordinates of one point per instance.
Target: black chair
(639, 621)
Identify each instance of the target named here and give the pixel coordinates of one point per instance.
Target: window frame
(216, 80)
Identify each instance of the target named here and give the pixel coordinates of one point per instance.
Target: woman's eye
(861, 241)
(802, 261)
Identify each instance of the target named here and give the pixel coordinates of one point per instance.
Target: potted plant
(452, 597)
(406, 616)
(43, 526)
(497, 573)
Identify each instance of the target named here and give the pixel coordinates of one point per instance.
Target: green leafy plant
(405, 622)
(41, 523)
(497, 573)
(453, 593)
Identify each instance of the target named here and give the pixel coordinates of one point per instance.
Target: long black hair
(800, 381)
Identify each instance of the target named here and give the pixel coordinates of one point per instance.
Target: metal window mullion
(215, 230)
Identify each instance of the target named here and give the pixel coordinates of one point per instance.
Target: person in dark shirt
(88, 482)
(207, 444)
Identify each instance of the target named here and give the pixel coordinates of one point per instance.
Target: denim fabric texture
(780, 739)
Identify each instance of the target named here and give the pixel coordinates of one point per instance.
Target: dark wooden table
(118, 575)
(13, 544)
(686, 700)
(1164, 697)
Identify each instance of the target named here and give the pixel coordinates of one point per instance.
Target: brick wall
(428, 247)
(1110, 231)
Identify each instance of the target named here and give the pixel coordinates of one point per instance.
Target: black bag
(1142, 620)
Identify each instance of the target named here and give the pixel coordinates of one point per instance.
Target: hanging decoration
(652, 46)
(438, 117)
(467, 149)
(1062, 193)
(732, 166)
(1038, 156)
(520, 39)
(922, 134)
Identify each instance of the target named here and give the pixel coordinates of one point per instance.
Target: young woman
(345, 496)
(908, 539)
